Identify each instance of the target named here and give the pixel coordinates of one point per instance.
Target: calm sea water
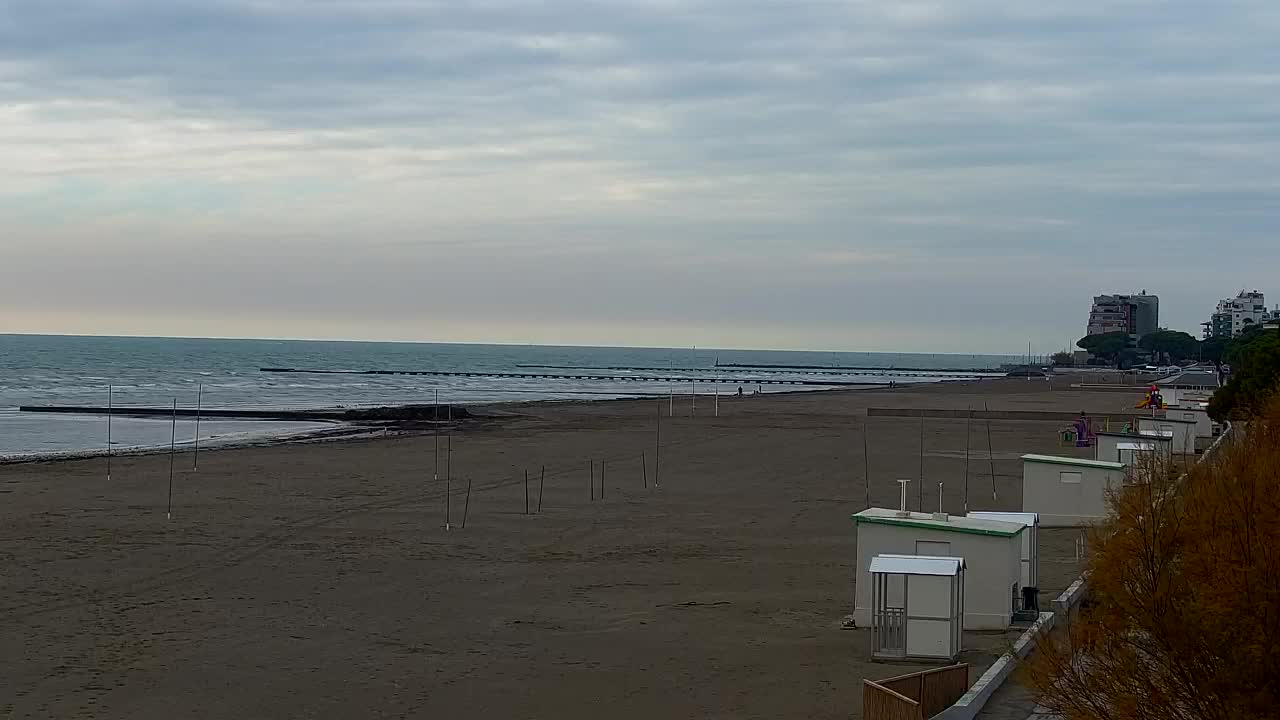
(67, 370)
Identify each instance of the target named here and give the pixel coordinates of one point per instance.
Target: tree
(1184, 586)
(1255, 374)
(1106, 346)
(1213, 349)
(1062, 358)
(1171, 344)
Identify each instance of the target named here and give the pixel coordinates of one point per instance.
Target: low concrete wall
(972, 702)
(1030, 415)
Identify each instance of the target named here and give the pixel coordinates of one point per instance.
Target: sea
(220, 373)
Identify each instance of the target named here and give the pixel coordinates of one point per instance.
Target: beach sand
(319, 581)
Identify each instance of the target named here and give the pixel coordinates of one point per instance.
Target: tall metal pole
(866, 459)
(671, 392)
(967, 419)
(717, 387)
(920, 490)
(991, 457)
(693, 399)
(108, 433)
(173, 442)
(657, 445)
(195, 459)
(435, 432)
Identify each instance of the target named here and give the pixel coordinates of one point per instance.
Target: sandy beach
(319, 580)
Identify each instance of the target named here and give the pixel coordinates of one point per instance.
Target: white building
(917, 607)
(1030, 541)
(1234, 315)
(992, 551)
(1068, 492)
(1197, 414)
(1183, 432)
(1126, 448)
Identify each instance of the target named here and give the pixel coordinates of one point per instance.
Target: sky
(863, 175)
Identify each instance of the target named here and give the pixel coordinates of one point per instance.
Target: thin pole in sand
(968, 418)
(604, 465)
(466, 505)
(591, 480)
(693, 399)
(717, 387)
(991, 457)
(866, 459)
(671, 393)
(173, 442)
(108, 433)
(435, 432)
(448, 471)
(526, 491)
(920, 490)
(657, 445)
(542, 481)
(195, 459)
(939, 496)
(644, 470)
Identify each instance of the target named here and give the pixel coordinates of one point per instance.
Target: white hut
(1197, 414)
(1183, 432)
(1068, 492)
(1030, 542)
(992, 550)
(1125, 448)
(917, 607)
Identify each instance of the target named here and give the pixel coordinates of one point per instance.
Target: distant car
(1026, 372)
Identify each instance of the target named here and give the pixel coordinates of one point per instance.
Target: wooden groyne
(400, 413)
(1029, 415)
(790, 369)
(576, 376)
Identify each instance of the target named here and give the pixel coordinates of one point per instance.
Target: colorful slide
(1152, 400)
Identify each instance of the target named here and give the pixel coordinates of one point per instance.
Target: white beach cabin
(1126, 448)
(1183, 432)
(917, 607)
(1068, 492)
(1030, 542)
(992, 551)
(1197, 414)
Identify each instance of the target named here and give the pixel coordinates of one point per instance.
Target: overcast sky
(960, 175)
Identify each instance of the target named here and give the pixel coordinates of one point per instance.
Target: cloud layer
(834, 175)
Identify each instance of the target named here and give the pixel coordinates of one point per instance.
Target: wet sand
(319, 580)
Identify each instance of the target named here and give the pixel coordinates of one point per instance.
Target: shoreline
(355, 430)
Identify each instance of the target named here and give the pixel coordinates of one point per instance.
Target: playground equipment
(1080, 433)
(1153, 399)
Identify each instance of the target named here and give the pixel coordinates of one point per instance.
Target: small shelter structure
(1030, 543)
(992, 550)
(1195, 413)
(1183, 432)
(917, 607)
(1068, 492)
(1120, 447)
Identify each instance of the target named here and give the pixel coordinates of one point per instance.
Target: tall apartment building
(1235, 314)
(1136, 315)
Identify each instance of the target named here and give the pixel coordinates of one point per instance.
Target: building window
(1070, 478)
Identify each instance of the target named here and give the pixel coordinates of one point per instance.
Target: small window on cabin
(1072, 478)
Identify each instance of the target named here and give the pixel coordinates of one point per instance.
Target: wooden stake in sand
(671, 393)
(542, 481)
(991, 457)
(526, 491)
(644, 470)
(195, 459)
(604, 465)
(693, 399)
(108, 433)
(717, 387)
(173, 443)
(466, 505)
(591, 480)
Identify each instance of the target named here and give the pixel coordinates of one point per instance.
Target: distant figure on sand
(739, 391)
